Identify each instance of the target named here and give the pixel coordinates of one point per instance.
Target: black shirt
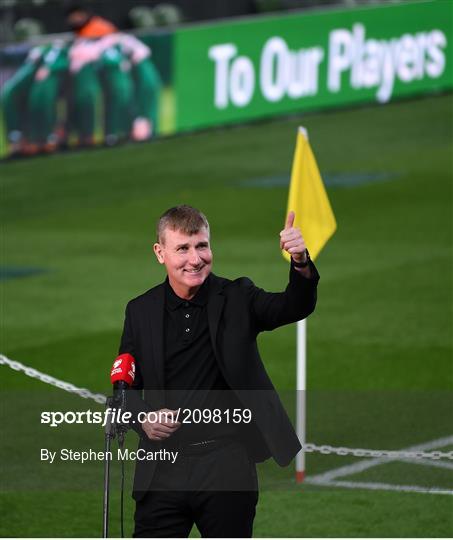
(193, 379)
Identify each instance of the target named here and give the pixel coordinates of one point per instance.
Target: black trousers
(214, 488)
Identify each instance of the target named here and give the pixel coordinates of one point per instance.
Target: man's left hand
(291, 239)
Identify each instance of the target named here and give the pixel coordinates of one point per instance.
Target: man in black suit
(201, 382)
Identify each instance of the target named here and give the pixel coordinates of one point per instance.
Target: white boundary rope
(336, 477)
(418, 454)
(387, 454)
(43, 377)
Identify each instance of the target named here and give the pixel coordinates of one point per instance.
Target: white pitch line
(378, 486)
(428, 463)
(365, 464)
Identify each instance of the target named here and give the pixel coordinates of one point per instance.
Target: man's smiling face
(187, 258)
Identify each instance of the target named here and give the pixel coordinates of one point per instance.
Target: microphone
(122, 375)
(123, 370)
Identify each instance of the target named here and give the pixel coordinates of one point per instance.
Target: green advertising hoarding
(55, 95)
(252, 68)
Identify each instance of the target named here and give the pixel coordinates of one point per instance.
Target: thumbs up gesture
(291, 240)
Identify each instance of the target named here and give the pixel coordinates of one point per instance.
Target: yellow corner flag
(308, 199)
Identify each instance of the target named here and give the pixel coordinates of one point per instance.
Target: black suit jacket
(237, 312)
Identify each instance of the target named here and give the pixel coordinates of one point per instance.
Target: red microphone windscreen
(123, 369)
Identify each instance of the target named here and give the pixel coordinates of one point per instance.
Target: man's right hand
(164, 426)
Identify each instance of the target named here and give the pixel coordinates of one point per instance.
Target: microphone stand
(112, 429)
(109, 435)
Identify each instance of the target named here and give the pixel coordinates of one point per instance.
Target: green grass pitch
(380, 371)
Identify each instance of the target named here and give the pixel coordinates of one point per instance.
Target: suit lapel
(215, 308)
(156, 327)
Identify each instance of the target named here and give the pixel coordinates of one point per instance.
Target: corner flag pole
(300, 397)
(313, 214)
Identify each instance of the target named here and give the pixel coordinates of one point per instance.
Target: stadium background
(77, 235)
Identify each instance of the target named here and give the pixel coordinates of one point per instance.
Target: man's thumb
(290, 220)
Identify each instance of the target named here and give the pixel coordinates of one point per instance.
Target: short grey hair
(184, 218)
